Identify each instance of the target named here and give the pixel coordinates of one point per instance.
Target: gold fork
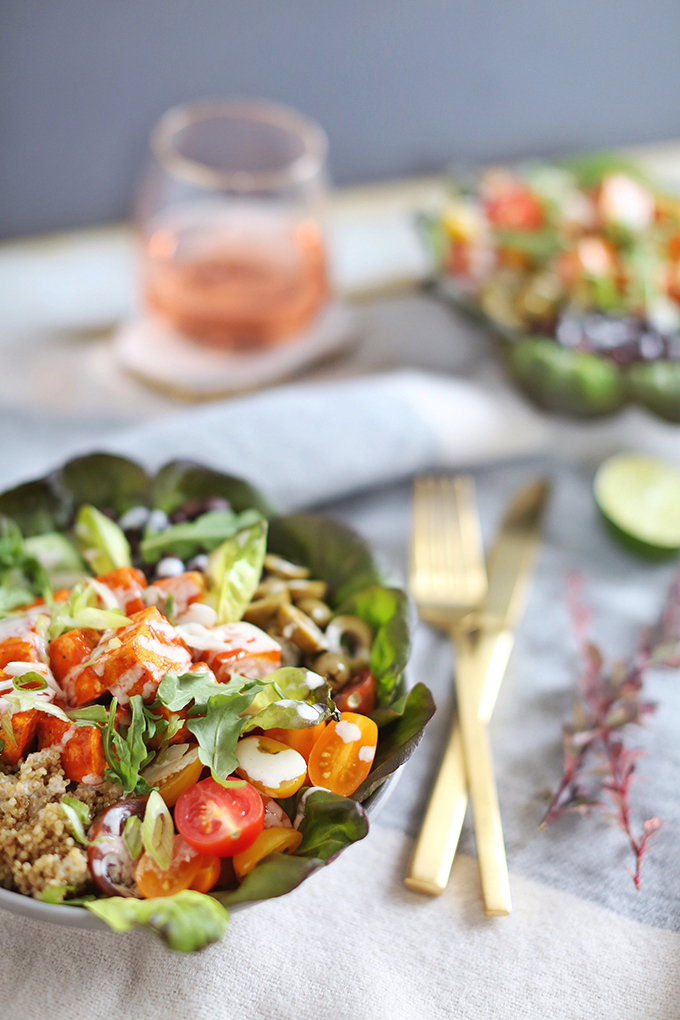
(447, 580)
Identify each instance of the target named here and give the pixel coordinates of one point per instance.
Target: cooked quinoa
(37, 851)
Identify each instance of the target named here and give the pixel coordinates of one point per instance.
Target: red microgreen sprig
(599, 767)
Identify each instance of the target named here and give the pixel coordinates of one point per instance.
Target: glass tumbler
(229, 211)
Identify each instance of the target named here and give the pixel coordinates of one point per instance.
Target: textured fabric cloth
(352, 942)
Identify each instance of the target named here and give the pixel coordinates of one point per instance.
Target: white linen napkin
(306, 443)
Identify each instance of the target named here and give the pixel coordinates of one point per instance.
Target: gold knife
(485, 653)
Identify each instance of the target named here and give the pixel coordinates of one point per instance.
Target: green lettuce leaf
(201, 535)
(105, 480)
(386, 610)
(64, 565)
(100, 540)
(234, 570)
(401, 727)
(22, 576)
(182, 481)
(329, 824)
(186, 921)
(35, 507)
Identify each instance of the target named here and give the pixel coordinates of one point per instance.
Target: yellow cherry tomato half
(342, 756)
(185, 864)
(208, 875)
(269, 841)
(301, 741)
(270, 766)
(172, 788)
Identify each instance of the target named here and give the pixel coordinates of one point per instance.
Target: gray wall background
(401, 86)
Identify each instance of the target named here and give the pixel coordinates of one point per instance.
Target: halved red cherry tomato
(268, 842)
(185, 865)
(208, 875)
(360, 696)
(219, 820)
(342, 756)
(301, 741)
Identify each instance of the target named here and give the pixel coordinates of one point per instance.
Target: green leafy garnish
(97, 715)
(186, 922)
(77, 817)
(218, 732)
(291, 699)
(201, 535)
(234, 570)
(158, 831)
(101, 541)
(126, 751)
(58, 557)
(132, 836)
(22, 577)
(176, 692)
(386, 610)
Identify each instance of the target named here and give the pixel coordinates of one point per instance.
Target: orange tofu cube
(24, 726)
(68, 654)
(81, 748)
(127, 584)
(184, 589)
(246, 650)
(140, 655)
(22, 648)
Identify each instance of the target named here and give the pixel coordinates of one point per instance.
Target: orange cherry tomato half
(301, 741)
(268, 842)
(342, 756)
(219, 820)
(360, 696)
(208, 875)
(185, 864)
(272, 767)
(172, 788)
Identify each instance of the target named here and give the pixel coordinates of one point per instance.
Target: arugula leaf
(234, 570)
(218, 732)
(176, 692)
(126, 753)
(292, 699)
(186, 921)
(102, 543)
(201, 535)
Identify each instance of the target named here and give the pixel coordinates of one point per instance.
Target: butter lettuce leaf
(386, 610)
(234, 570)
(186, 922)
(101, 541)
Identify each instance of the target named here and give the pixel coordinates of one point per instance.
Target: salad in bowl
(575, 263)
(199, 700)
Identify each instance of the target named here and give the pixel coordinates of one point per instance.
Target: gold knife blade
(510, 567)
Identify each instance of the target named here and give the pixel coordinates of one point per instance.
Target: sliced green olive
(299, 628)
(335, 667)
(352, 636)
(283, 568)
(262, 611)
(290, 653)
(270, 586)
(307, 589)
(317, 611)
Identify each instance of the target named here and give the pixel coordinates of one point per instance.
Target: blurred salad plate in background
(576, 265)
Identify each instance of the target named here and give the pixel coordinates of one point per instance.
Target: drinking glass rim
(297, 171)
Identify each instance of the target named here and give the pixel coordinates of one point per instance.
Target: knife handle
(493, 867)
(432, 858)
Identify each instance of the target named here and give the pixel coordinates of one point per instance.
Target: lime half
(639, 498)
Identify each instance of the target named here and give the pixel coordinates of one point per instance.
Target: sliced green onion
(29, 682)
(158, 831)
(132, 836)
(77, 817)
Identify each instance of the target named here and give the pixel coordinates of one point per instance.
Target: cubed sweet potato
(80, 747)
(143, 653)
(184, 589)
(127, 584)
(68, 654)
(246, 650)
(23, 726)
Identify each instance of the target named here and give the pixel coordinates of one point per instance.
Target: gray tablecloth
(352, 942)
